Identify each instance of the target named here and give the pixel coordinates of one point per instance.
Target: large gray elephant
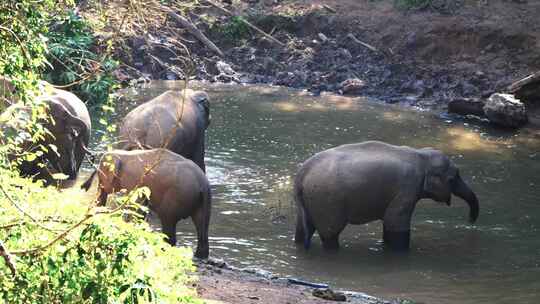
(69, 129)
(175, 120)
(179, 188)
(364, 182)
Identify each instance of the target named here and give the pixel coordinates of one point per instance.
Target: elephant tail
(203, 247)
(304, 225)
(86, 185)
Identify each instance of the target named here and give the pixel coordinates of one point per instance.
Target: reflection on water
(259, 135)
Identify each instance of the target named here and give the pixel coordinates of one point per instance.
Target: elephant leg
(302, 236)
(198, 155)
(168, 227)
(397, 224)
(201, 219)
(396, 240)
(102, 197)
(330, 237)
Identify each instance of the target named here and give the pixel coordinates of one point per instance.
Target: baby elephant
(179, 188)
(364, 182)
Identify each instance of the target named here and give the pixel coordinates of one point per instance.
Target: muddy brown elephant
(364, 182)
(69, 129)
(179, 188)
(175, 120)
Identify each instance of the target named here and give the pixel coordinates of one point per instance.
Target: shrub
(98, 258)
(54, 247)
(76, 63)
(233, 31)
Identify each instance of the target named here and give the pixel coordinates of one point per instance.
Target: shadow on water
(260, 134)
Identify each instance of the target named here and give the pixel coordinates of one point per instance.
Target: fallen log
(353, 38)
(527, 89)
(195, 32)
(306, 283)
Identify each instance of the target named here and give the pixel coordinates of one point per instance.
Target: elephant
(69, 128)
(363, 182)
(175, 120)
(178, 188)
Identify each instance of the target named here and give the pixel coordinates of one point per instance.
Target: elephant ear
(201, 98)
(437, 165)
(430, 182)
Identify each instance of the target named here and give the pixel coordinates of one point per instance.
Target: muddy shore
(221, 283)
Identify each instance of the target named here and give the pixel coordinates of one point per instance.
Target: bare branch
(7, 258)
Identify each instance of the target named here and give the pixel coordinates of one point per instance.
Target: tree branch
(7, 258)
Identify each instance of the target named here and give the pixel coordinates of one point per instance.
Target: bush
(22, 47)
(54, 247)
(76, 63)
(233, 31)
(100, 259)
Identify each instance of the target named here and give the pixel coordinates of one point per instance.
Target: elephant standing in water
(179, 188)
(175, 120)
(364, 182)
(69, 129)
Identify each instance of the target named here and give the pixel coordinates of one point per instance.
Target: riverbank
(221, 283)
(372, 48)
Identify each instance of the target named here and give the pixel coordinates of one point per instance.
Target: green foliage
(63, 250)
(23, 44)
(102, 260)
(22, 57)
(74, 58)
(235, 30)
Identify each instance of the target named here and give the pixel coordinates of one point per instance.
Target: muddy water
(259, 135)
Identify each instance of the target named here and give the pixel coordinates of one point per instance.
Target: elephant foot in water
(397, 240)
(330, 243)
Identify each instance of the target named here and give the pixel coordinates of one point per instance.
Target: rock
(171, 76)
(345, 54)
(505, 110)
(466, 106)
(323, 38)
(290, 79)
(225, 68)
(352, 86)
(329, 294)
(121, 75)
(219, 263)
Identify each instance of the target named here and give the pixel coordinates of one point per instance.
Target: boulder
(466, 106)
(323, 38)
(505, 110)
(352, 86)
(329, 294)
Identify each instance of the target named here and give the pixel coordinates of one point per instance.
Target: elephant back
(170, 120)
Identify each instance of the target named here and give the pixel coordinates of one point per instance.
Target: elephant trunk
(462, 190)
